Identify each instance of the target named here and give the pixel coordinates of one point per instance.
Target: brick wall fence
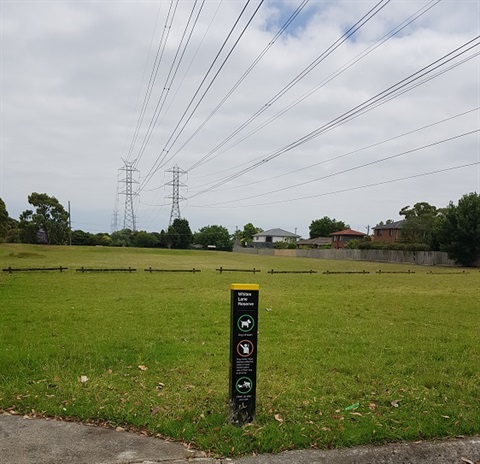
(427, 258)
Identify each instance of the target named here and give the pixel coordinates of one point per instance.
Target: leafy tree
(122, 238)
(13, 235)
(49, 218)
(249, 230)
(215, 235)
(419, 223)
(162, 240)
(179, 234)
(102, 239)
(458, 230)
(28, 230)
(325, 226)
(171, 237)
(4, 221)
(79, 237)
(143, 239)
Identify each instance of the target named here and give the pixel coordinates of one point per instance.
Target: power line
(209, 156)
(154, 73)
(169, 80)
(349, 189)
(391, 92)
(371, 163)
(320, 58)
(157, 164)
(344, 155)
(245, 74)
(352, 30)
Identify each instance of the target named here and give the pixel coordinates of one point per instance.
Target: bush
(284, 246)
(394, 246)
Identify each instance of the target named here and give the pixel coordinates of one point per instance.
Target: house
(341, 238)
(317, 242)
(267, 238)
(388, 233)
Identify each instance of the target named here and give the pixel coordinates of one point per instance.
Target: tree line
(454, 229)
(47, 222)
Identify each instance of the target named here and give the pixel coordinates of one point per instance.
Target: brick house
(341, 238)
(388, 233)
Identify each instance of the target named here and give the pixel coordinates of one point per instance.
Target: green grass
(405, 347)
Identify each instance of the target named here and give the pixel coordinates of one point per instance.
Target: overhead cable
(211, 154)
(319, 59)
(174, 135)
(170, 78)
(391, 92)
(349, 189)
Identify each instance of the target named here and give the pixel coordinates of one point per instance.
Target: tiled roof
(349, 232)
(392, 225)
(276, 233)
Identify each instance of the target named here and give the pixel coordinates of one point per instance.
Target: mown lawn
(154, 347)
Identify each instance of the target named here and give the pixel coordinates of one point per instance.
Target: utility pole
(129, 221)
(176, 184)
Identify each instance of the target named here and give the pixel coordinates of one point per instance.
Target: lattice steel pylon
(176, 184)
(114, 224)
(129, 220)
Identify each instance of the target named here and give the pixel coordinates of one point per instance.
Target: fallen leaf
(83, 379)
(355, 414)
(119, 429)
(446, 417)
(278, 418)
(154, 410)
(395, 404)
(468, 461)
(372, 406)
(143, 368)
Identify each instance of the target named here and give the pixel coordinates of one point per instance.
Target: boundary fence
(425, 258)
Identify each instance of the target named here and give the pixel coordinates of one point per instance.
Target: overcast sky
(88, 84)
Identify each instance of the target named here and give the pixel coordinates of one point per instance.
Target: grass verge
(401, 349)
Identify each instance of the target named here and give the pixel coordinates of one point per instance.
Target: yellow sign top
(244, 287)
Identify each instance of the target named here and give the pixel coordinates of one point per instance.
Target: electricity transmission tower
(129, 221)
(114, 224)
(176, 184)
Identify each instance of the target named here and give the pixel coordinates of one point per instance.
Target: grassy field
(154, 347)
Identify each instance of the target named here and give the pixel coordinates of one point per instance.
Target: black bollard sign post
(243, 352)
